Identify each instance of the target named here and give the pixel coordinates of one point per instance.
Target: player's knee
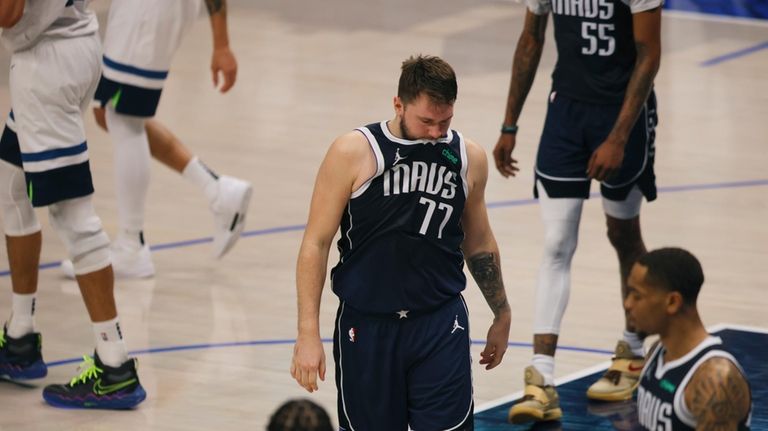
(80, 229)
(560, 245)
(19, 217)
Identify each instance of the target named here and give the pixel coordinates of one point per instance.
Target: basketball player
(690, 381)
(600, 125)
(409, 196)
(44, 162)
(141, 38)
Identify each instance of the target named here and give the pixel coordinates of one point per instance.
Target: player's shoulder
(475, 152)
(717, 381)
(350, 145)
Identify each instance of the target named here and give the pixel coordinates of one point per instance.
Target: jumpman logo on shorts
(456, 325)
(398, 158)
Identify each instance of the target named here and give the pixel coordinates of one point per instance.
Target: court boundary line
(283, 341)
(604, 366)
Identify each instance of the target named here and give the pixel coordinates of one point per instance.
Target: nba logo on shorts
(352, 334)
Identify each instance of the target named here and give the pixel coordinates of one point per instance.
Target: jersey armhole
(679, 404)
(379, 158)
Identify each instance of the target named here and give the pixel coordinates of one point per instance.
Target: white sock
(545, 364)
(109, 342)
(132, 162)
(22, 321)
(635, 343)
(133, 240)
(200, 175)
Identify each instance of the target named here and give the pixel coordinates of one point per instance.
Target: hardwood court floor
(310, 71)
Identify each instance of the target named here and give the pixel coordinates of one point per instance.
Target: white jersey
(142, 37)
(62, 19)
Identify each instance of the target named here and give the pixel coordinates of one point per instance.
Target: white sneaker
(126, 262)
(229, 207)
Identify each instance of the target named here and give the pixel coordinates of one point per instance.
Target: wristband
(511, 130)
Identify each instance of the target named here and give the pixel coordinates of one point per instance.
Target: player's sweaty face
(424, 119)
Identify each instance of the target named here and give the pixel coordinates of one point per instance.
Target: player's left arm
(718, 396)
(223, 61)
(607, 159)
(11, 12)
(482, 255)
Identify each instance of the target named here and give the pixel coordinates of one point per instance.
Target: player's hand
(308, 362)
(606, 160)
(224, 68)
(502, 155)
(100, 114)
(496, 342)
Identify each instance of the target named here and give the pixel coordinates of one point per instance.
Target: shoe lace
(88, 370)
(613, 375)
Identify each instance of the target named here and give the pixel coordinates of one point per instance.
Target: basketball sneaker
(99, 386)
(127, 262)
(539, 402)
(21, 358)
(622, 377)
(229, 207)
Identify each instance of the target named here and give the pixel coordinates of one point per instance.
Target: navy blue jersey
(595, 46)
(401, 235)
(661, 394)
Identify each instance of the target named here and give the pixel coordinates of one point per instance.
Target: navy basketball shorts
(404, 369)
(573, 130)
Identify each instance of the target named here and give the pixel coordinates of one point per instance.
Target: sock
(132, 162)
(200, 175)
(109, 342)
(635, 343)
(545, 364)
(133, 240)
(22, 321)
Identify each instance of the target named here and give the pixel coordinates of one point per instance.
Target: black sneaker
(20, 358)
(99, 387)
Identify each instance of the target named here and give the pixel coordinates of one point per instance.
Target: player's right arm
(347, 159)
(524, 65)
(11, 12)
(718, 396)
(223, 62)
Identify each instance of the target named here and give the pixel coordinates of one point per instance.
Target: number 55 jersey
(595, 46)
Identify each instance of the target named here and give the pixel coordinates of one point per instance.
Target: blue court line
(734, 55)
(490, 205)
(289, 342)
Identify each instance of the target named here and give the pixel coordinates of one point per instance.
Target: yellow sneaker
(622, 377)
(539, 402)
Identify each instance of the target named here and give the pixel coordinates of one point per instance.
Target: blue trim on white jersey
(54, 154)
(133, 70)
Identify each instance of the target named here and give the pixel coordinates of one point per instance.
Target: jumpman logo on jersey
(398, 158)
(456, 325)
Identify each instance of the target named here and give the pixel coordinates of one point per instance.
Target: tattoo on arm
(216, 6)
(638, 89)
(718, 396)
(485, 269)
(525, 64)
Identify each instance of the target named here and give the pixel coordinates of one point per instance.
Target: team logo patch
(352, 335)
(448, 154)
